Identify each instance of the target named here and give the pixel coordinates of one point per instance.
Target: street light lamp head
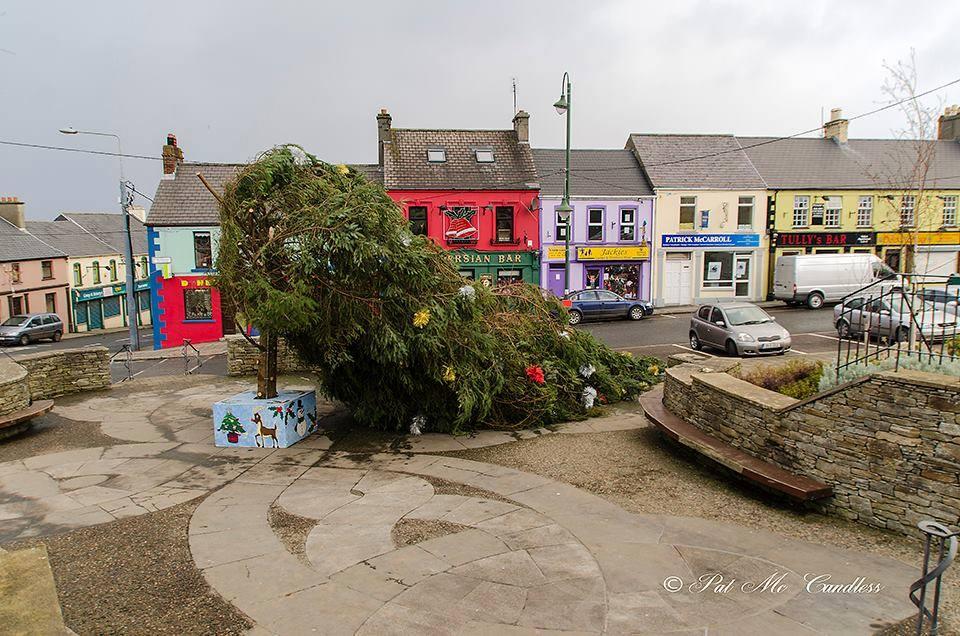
(69, 130)
(564, 210)
(561, 105)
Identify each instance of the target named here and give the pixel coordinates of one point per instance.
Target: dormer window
(436, 155)
(484, 155)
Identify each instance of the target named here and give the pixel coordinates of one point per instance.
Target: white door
(677, 274)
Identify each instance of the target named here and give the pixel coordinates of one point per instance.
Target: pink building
(33, 275)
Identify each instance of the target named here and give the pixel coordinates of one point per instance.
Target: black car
(601, 304)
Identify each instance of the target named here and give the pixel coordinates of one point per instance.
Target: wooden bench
(764, 474)
(19, 421)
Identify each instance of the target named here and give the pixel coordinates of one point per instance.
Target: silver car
(889, 317)
(739, 329)
(27, 328)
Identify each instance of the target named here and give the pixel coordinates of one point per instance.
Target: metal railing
(939, 538)
(903, 315)
(127, 360)
(187, 355)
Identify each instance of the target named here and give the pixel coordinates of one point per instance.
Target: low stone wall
(14, 393)
(888, 444)
(243, 357)
(54, 373)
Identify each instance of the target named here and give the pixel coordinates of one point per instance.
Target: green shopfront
(105, 307)
(498, 268)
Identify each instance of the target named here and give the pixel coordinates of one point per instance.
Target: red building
(474, 192)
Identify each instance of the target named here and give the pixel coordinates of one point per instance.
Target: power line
(106, 153)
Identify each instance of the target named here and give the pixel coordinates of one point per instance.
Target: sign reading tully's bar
(826, 239)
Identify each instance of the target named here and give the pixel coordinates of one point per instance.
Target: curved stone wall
(14, 393)
(889, 443)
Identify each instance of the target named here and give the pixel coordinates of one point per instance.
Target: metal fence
(907, 315)
(942, 541)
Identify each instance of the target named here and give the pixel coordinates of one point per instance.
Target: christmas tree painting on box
(243, 420)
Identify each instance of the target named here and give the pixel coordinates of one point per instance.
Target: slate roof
(593, 173)
(19, 245)
(184, 200)
(406, 166)
(818, 163)
(68, 238)
(678, 161)
(109, 228)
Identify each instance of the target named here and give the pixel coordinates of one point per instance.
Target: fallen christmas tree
(316, 254)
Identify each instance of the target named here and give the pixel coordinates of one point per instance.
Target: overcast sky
(231, 78)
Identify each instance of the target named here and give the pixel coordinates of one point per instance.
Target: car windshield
(15, 321)
(903, 304)
(747, 316)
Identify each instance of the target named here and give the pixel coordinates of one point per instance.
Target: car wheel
(731, 349)
(815, 300)
(695, 343)
(575, 317)
(843, 329)
(24, 340)
(636, 313)
(56, 336)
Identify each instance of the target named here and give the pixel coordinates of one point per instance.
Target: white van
(814, 279)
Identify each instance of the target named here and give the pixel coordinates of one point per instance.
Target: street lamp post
(133, 311)
(565, 211)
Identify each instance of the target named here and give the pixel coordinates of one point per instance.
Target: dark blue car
(600, 304)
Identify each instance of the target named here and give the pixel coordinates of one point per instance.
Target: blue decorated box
(243, 420)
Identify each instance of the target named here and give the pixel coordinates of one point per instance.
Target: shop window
(113, 270)
(864, 211)
(950, 211)
(561, 228)
(801, 209)
(628, 224)
(509, 276)
(144, 297)
(718, 270)
(111, 306)
(197, 304)
(96, 272)
(688, 212)
(418, 220)
(77, 275)
(50, 300)
(907, 205)
(595, 224)
(80, 313)
(745, 213)
(14, 272)
(202, 250)
(831, 213)
(504, 225)
(593, 278)
(46, 268)
(623, 280)
(468, 274)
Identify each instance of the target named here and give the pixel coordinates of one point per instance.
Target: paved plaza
(519, 553)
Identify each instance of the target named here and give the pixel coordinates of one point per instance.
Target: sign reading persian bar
(710, 240)
(632, 253)
(825, 239)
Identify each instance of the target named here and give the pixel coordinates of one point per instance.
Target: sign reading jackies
(710, 240)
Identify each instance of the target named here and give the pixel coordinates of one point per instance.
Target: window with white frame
(831, 212)
(561, 228)
(801, 210)
(595, 224)
(950, 210)
(688, 212)
(864, 211)
(907, 206)
(745, 213)
(628, 224)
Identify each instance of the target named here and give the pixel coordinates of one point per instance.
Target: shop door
(555, 280)
(677, 273)
(742, 276)
(95, 314)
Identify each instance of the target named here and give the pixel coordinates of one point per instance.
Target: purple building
(612, 222)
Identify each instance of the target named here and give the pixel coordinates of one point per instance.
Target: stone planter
(243, 420)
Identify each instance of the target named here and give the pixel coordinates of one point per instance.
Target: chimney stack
(11, 209)
(172, 156)
(521, 124)
(384, 122)
(948, 126)
(836, 128)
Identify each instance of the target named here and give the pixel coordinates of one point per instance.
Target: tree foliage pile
(320, 256)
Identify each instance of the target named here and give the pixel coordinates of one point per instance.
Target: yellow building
(834, 194)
